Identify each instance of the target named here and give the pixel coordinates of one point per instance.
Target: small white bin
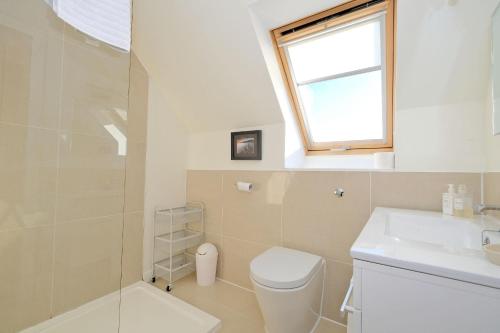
(206, 264)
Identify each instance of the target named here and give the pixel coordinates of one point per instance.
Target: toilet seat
(282, 268)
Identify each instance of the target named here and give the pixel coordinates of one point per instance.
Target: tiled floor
(236, 307)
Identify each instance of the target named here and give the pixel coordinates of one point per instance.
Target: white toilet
(289, 288)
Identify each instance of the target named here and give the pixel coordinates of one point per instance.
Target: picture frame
(246, 145)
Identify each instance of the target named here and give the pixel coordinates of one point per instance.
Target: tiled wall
(64, 184)
(492, 190)
(299, 210)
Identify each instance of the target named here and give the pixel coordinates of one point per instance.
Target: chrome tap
(486, 239)
(480, 209)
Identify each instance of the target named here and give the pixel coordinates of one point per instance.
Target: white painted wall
(442, 70)
(442, 74)
(166, 158)
(293, 152)
(440, 138)
(212, 150)
(216, 66)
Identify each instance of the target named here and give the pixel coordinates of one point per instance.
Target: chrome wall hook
(339, 192)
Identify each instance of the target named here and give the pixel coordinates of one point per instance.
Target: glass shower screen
(63, 149)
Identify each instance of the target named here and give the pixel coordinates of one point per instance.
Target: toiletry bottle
(448, 200)
(463, 203)
(468, 206)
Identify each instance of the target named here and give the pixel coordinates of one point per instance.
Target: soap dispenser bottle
(448, 200)
(463, 203)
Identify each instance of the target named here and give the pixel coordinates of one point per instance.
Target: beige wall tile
(217, 241)
(420, 190)
(240, 300)
(133, 234)
(206, 187)
(135, 176)
(26, 263)
(492, 190)
(87, 261)
(28, 169)
(31, 14)
(91, 177)
(138, 101)
(30, 67)
(236, 258)
(15, 66)
(338, 277)
(95, 86)
(315, 220)
(254, 216)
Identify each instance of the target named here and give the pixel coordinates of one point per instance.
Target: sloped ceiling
(205, 57)
(207, 60)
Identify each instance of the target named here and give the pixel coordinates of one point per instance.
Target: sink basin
(449, 233)
(430, 242)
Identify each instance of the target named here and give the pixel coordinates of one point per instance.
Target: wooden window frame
(364, 147)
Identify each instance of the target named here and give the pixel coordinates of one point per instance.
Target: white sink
(429, 242)
(450, 234)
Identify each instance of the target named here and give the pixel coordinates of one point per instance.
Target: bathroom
(125, 124)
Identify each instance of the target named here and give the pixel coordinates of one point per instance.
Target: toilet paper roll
(384, 160)
(244, 187)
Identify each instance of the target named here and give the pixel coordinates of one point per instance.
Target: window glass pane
(345, 109)
(337, 52)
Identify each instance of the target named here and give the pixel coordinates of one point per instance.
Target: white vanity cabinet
(423, 272)
(393, 300)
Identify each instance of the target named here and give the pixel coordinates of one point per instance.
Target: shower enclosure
(72, 152)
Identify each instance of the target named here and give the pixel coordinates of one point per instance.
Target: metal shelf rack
(176, 232)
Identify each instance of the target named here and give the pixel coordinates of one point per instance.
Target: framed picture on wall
(246, 145)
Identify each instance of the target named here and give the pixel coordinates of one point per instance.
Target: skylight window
(338, 66)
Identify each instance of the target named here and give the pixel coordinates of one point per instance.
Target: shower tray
(143, 308)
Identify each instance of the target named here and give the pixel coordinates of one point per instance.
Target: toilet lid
(283, 268)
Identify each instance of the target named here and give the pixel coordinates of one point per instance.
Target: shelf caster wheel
(153, 279)
(169, 288)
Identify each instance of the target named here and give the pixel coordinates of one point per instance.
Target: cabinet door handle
(348, 308)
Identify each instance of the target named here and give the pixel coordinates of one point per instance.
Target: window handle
(344, 148)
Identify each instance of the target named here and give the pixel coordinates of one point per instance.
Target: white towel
(105, 20)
